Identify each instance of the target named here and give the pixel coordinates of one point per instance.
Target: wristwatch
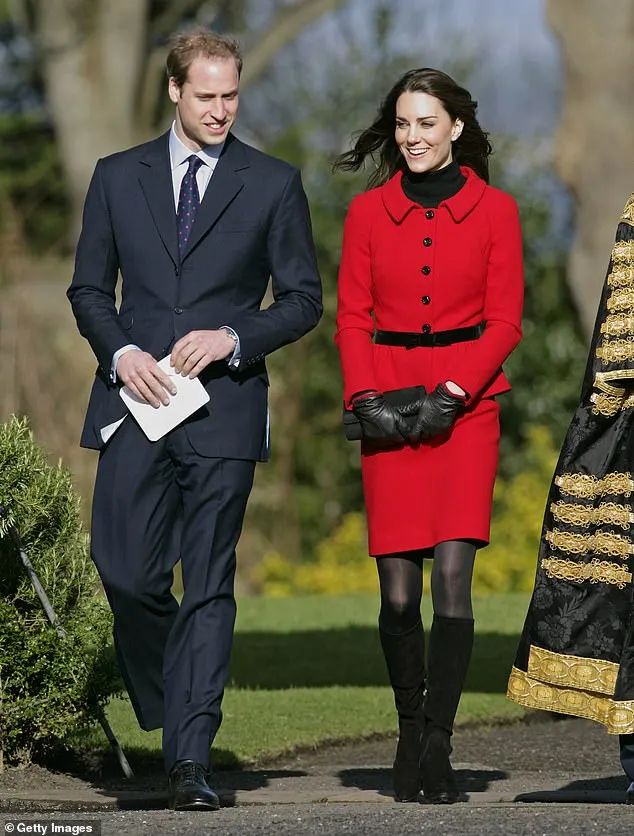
(231, 333)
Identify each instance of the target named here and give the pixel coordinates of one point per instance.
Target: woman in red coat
(430, 294)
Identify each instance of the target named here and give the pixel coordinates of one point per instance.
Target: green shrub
(49, 685)
(32, 182)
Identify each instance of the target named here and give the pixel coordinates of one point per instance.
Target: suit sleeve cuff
(115, 359)
(233, 359)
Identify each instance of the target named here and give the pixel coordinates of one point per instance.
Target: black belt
(410, 339)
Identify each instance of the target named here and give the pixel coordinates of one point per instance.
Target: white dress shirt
(179, 160)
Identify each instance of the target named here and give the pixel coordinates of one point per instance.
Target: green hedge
(49, 685)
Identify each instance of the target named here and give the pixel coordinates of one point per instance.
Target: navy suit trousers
(155, 503)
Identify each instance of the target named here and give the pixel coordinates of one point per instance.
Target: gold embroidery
(616, 715)
(616, 351)
(597, 675)
(607, 513)
(605, 405)
(596, 571)
(619, 324)
(623, 252)
(616, 325)
(589, 487)
(628, 212)
(603, 380)
(621, 300)
(620, 278)
(600, 542)
(610, 405)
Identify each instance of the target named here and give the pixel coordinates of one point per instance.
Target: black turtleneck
(432, 187)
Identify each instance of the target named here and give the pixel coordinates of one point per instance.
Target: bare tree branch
(151, 93)
(290, 20)
(23, 14)
(97, 68)
(286, 25)
(175, 12)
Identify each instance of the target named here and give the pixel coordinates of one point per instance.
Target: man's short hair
(187, 46)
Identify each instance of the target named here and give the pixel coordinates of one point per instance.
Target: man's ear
(174, 91)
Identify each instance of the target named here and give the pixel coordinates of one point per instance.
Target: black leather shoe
(188, 789)
(439, 781)
(629, 795)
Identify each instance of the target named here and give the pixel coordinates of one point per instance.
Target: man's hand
(196, 350)
(141, 374)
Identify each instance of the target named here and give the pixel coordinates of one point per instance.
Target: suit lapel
(155, 176)
(223, 187)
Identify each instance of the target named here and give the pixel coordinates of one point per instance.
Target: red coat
(404, 267)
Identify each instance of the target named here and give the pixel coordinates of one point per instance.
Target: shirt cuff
(234, 359)
(115, 359)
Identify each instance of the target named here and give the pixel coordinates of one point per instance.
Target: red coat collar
(398, 204)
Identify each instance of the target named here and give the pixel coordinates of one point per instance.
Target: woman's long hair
(472, 148)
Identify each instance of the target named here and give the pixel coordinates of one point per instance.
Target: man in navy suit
(195, 222)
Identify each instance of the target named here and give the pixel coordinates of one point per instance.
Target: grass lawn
(308, 670)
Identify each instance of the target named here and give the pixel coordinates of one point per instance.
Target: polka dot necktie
(188, 202)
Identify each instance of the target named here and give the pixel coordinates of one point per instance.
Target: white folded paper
(155, 423)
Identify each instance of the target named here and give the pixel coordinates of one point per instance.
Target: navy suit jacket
(253, 224)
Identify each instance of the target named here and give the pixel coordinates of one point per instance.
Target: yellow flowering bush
(508, 564)
(341, 566)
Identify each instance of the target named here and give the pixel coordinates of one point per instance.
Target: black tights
(401, 582)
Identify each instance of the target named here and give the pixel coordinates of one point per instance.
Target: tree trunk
(101, 77)
(594, 142)
(93, 52)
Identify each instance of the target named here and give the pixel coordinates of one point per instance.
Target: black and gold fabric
(576, 652)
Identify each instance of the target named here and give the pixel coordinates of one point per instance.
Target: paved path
(539, 778)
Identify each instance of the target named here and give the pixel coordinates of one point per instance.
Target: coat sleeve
(503, 302)
(295, 279)
(92, 291)
(355, 323)
(609, 378)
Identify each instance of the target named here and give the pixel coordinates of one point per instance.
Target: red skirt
(439, 490)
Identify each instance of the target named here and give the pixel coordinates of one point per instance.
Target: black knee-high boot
(450, 645)
(405, 657)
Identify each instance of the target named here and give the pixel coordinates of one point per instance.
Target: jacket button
(426, 328)
(178, 310)
(429, 214)
(427, 242)
(426, 300)
(426, 270)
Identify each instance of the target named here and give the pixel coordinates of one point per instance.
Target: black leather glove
(437, 412)
(380, 422)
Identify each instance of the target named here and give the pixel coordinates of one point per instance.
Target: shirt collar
(180, 152)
